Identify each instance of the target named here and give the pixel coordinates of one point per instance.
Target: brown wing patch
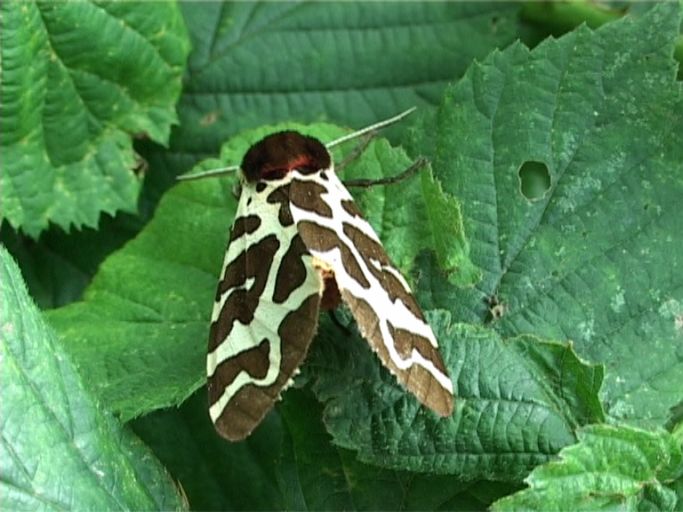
(368, 325)
(253, 361)
(281, 195)
(350, 208)
(241, 303)
(406, 341)
(244, 225)
(292, 271)
(308, 195)
(251, 403)
(420, 382)
(331, 298)
(369, 250)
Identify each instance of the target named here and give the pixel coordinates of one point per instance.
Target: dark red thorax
(279, 153)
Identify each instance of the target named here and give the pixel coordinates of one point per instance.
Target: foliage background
(553, 191)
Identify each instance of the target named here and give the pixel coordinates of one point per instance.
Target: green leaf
(59, 266)
(171, 271)
(518, 402)
(448, 241)
(610, 467)
(79, 79)
(215, 474)
(291, 465)
(316, 475)
(352, 63)
(597, 259)
(59, 450)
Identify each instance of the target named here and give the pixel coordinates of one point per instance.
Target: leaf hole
(534, 180)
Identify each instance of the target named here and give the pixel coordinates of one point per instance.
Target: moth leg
(357, 150)
(389, 180)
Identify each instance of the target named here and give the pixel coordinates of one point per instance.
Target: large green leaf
(349, 62)
(214, 474)
(78, 79)
(596, 259)
(611, 467)
(316, 475)
(59, 450)
(518, 402)
(290, 464)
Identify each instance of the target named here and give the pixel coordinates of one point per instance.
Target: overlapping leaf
(349, 62)
(316, 475)
(59, 450)
(214, 474)
(518, 402)
(597, 259)
(78, 80)
(611, 467)
(290, 463)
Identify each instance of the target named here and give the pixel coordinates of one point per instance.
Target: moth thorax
(274, 156)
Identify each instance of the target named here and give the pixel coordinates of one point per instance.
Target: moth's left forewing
(343, 242)
(265, 312)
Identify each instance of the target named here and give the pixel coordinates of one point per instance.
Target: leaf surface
(597, 259)
(78, 80)
(215, 474)
(351, 63)
(610, 467)
(518, 402)
(317, 475)
(59, 450)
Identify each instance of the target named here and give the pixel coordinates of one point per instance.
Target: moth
(299, 245)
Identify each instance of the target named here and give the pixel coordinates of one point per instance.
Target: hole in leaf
(534, 180)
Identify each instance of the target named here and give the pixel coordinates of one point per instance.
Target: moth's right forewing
(388, 316)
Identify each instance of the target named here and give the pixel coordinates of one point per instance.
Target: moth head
(274, 156)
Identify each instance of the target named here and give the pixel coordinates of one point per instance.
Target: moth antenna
(357, 151)
(368, 129)
(208, 174)
(371, 128)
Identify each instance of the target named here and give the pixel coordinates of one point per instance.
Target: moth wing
(265, 313)
(380, 299)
